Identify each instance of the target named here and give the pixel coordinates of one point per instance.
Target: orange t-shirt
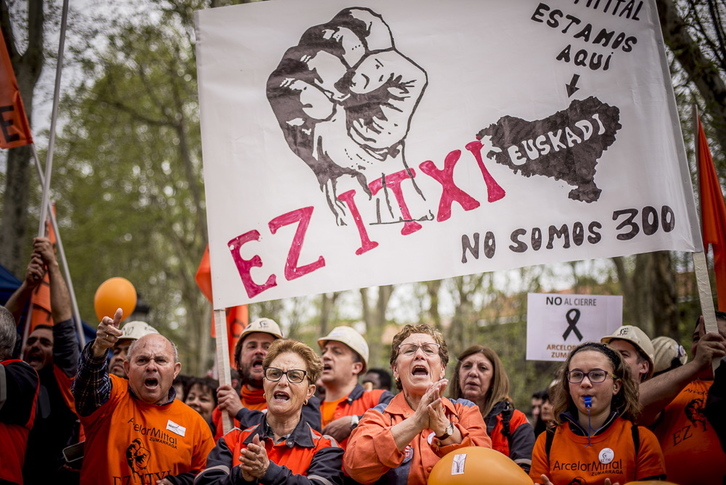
(327, 410)
(691, 448)
(130, 441)
(610, 454)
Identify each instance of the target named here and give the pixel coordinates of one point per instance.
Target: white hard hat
(666, 350)
(351, 338)
(264, 325)
(135, 330)
(638, 338)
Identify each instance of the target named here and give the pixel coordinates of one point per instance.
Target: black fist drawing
(344, 98)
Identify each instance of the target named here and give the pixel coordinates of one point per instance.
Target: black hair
(384, 376)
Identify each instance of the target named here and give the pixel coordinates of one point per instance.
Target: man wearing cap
(673, 404)
(636, 349)
(131, 331)
(345, 358)
(250, 350)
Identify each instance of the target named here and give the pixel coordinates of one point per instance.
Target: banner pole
(222, 355)
(62, 255)
(699, 261)
(53, 119)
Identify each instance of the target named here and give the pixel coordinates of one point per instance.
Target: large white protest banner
(357, 144)
(556, 324)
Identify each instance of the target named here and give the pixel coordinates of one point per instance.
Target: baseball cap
(666, 350)
(136, 329)
(351, 338)
(264, 325)
(638, 338)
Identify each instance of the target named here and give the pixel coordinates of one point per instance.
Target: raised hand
(35, 272)
(43, 247)
(107, 333)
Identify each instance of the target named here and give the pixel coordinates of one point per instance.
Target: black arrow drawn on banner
(572, 87)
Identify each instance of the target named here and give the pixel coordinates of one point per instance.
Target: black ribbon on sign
(572, 324)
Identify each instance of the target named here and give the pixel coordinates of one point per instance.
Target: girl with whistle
(594, 440)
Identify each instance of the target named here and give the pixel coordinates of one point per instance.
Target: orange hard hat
(476, 465)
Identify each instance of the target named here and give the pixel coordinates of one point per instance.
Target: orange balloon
(112, 294)
(477, 465)
(650, 482)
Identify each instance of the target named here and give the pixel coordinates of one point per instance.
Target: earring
(305, 402)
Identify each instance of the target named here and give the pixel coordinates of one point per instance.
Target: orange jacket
(303, 456)
(372, 453)
(517, 442)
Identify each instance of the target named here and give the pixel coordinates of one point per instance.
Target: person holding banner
(674, 407)
(596, 440)
(281, 447)
(400, 442)
(479, 376)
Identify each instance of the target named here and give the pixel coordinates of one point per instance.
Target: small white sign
(557, 323)
(176, 428)
(457, 466)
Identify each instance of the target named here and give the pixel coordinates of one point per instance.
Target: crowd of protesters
(120, 410)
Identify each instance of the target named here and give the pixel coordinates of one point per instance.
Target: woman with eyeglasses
(400, 442)
(281, 447)
(595, 440)
(480, 377)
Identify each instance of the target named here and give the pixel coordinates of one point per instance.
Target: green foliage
(128, 177)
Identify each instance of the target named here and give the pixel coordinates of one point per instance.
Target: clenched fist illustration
(344, 98)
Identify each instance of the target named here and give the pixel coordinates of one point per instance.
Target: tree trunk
(651, 301)
(27, 67)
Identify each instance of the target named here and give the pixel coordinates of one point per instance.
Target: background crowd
(121, 410)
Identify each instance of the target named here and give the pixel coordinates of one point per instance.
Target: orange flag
(713, 214)
(237, 316)
(40, 311)
(14, 126)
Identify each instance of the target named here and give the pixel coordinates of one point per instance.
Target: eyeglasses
(293, 375)
(596, 376)
(428, 349)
